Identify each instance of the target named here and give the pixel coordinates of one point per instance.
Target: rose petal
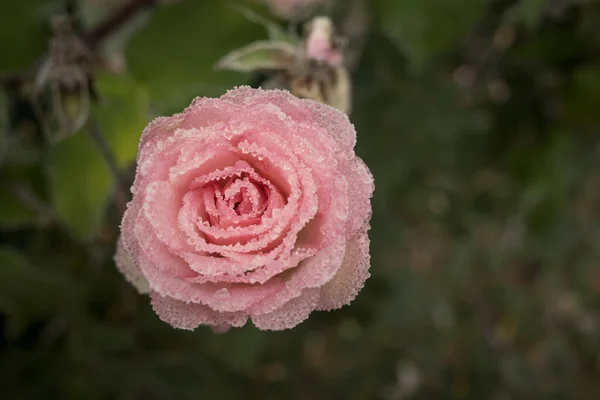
(313, 272)
(289, 315)
(360, 190)
(351, 277)
(189, 315)
(332, 120)
(128, 269)
(220, 297)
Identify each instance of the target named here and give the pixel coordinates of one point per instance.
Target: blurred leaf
(122, 114)
(546, 192)
(559, 46)
(175, 52)
(14, 212)
(582, 98)
(239, 348)
(26, 20)
(424, 29)
(264, 55)
(527, 12)
(4, 126)
(27, 291)
(80, 184)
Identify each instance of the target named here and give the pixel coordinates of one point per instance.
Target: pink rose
(252, 205)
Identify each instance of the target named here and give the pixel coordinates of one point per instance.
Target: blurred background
(480, 120)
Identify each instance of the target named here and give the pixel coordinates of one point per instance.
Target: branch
(116, 21)
(92, 39)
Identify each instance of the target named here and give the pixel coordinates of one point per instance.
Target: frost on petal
(314, 272)
(204, 112)
(218, 296)
(360, 190)
(128, 269)
(189, 316)
(291, 314)
(351, 277)
(159, 130)
(335, 122)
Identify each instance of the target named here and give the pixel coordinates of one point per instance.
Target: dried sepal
(63, 81)
(260, 56)
(66, 88)
(331, 85)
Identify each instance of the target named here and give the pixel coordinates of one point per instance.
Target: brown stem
(116, 21)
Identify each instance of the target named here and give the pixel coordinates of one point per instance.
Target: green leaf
(80, 184)
(14, 212)
(582, 98)
(175, 52)
(263, 55)
(527, 12)
(23, 32)
(19, 279)
(122, 114)
(424, 29)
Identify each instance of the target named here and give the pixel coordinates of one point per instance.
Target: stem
(30, 199)
(116, 21)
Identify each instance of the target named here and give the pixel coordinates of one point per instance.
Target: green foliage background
(480, 120)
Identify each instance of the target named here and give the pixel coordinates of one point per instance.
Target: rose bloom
(252, 205)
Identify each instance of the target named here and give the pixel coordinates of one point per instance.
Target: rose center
(244, 197)
(234, 201)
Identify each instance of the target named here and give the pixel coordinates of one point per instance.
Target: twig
(116, 21)
(26, 195)
(49, 215)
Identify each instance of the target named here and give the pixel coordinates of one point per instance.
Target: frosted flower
(253, 205)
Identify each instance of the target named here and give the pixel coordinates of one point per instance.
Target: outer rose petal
(360, 190)
(128, 269)
(332, 120)
(314, 272)
(190, 315)
(290, 314)
(351, 277)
